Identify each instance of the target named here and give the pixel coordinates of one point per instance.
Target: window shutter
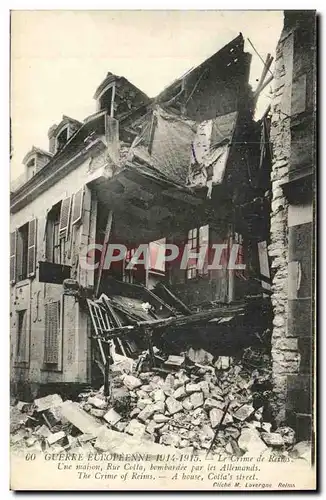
(52, 333)
(65, 216)
(77, 207)
(19, 257)
(13, 240)
(31, 256)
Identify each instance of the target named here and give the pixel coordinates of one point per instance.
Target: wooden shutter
(65, 217)
(77, 207)
(19, 256)
(13, 240)
(52, 338)
(31, 254)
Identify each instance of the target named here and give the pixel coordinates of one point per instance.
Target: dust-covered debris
(197, 407)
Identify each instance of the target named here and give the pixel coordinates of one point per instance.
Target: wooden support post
(148, 333)
(106, 380)
(230, 271)
(218, 428)
(104, 250)
(107, 374)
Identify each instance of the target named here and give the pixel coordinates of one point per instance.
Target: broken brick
(197, 399)
(158, 395)
(187, 405)
(97, 413)
(180, 393)
(170, 439)
(47, 402)
(190, 388)
(146, 413)
(135, 428)
(272, 439)
(244, 412)
(160, 418)
(99, 403)
(250, 442)
(112, 417)
(57, 437)
(213, 403)
(173, 405)
(215, 416)
(142, 403)
(131, 382)
(79, 418)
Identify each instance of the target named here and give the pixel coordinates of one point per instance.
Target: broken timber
(161, 324)
(103, 254)
(177, 302)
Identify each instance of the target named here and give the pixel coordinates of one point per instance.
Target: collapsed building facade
(190, 167)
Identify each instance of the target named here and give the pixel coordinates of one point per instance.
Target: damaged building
(192, 168)
(292, 242)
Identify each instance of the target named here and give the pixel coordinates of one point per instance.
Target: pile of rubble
(195, 407)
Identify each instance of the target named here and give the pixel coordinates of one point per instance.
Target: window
(197, 242)
(21, 344)
(62, 138)
(23, 252)
(238, 239)
(106, 100)
(156, 255)
(31, 168)
(65, 211)
(52, 337)
(55, 245)
(77, 207)
(129, 274)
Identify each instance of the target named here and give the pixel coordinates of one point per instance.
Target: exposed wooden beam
(104, 250)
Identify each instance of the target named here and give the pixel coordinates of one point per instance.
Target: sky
(58, 59)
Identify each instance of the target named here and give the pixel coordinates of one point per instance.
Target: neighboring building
(292, 247)
(191, 166)
(53, 216)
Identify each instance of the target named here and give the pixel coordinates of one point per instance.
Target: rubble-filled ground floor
(198, 403)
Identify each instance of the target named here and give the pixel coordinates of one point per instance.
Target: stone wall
(284, 354)
(291, 239)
